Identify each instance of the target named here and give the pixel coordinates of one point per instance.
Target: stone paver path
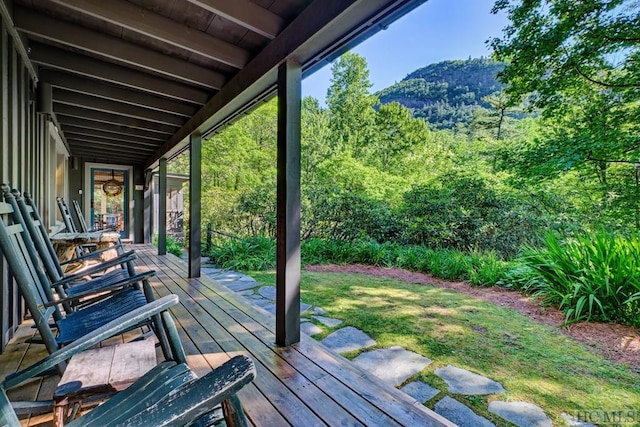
(420, 391)
(461, 381)
(393, 365)
(310, 329)
(460, 414)
(348, 339)
(522, 414)
(328, 321)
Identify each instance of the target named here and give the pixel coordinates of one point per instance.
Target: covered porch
(301, 385)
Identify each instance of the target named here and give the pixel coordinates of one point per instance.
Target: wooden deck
(302, 385)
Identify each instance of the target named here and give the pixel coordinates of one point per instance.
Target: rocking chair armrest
(113, 328)
(111, 287)
(122, 259)
(93, 254)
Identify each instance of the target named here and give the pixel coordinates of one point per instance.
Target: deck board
(301, 385)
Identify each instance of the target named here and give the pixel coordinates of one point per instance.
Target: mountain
(446, 93)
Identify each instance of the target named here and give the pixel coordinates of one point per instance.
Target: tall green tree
(397, 135)
(351, 106)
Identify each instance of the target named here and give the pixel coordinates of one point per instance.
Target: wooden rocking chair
(169, 394)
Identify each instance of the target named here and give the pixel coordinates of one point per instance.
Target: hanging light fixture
(113, 187)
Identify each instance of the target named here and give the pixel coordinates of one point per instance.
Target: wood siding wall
(25, 156)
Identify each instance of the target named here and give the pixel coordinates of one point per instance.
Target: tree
(579, 64)
(351, 107)
(398, 134)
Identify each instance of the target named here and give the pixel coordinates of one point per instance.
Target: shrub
(465, 212)
(594, 276)
(173, 247)
(252, 253)
(258, 253)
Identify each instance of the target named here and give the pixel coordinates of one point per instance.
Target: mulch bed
(617, 343)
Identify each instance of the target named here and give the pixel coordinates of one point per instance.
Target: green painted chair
(169, 394)
(73, 285)
(18, 249)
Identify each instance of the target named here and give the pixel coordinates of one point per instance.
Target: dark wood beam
(121, 137)
(195, 204)
(151, 24)
(99, 116)
(288, 205)
(109, 146)
(123, 145)
(45, 27)
(107, 154)
(111, 128)
(78, 99)
(59, 59)
(246, 14)
(115, 93)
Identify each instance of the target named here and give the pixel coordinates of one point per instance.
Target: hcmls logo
(623, 417)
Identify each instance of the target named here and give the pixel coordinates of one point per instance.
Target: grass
(534, 363)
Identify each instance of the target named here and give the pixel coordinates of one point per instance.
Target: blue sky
(436, 31)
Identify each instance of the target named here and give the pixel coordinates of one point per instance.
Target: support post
(288, 205)
(162, 207)
(195, 204)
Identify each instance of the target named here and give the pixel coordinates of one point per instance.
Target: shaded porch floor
(302, 385)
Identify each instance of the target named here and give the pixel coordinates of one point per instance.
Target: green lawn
(534, 363)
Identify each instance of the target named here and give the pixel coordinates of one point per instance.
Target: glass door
(109, 208)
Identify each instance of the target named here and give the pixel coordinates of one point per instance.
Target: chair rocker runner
(169, 394)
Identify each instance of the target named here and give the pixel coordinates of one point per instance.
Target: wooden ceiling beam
(115, 93)
(59, 59)
(100, 116)
(246, 14)
(151, 24)
(67, 97)
(109, 129)
(75, 132)
(114, 154)
(106, 156)
(48, 28)
(99, 142)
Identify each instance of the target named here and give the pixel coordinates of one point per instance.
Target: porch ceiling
(132, 79)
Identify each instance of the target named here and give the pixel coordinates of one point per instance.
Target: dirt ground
(617, 343)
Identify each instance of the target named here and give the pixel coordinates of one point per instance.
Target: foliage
(596, 276)
(579, 63)
(254, 253)
(343, 215)
(465, 212)
(351, 113)
(173, 247)
(258, 253)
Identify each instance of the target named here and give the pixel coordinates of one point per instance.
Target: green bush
(252, 253)
(258, 253)
(595, 276)
(466, 212)
(173, 247)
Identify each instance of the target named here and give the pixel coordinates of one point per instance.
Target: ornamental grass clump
(591, 277)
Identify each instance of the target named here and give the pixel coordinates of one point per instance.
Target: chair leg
(233, 413)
